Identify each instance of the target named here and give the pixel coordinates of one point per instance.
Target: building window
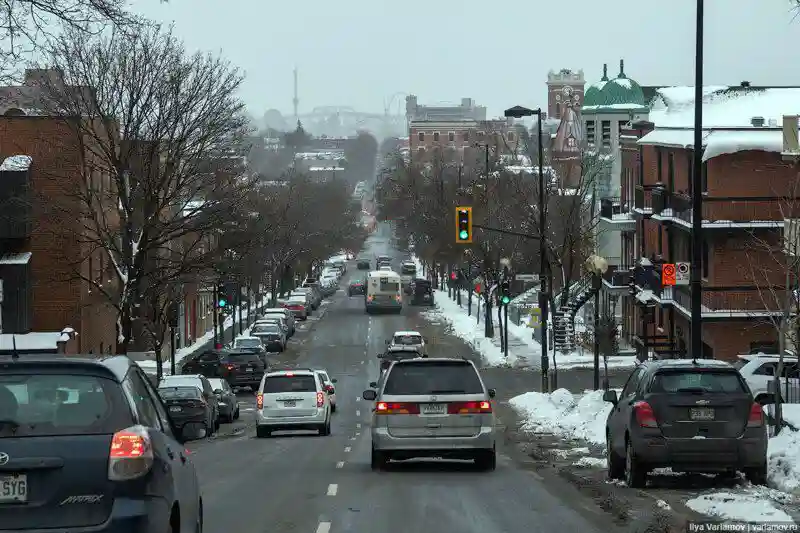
(590, 131)
(671, 172)
(421, 136)
(621, 125)
(606, 133)
(658, 165)
(706, 256)
(704, 178)
(690, 171)
(466, 136)
(481, 135)
(436, 136)
(421, 150)
(511, 136)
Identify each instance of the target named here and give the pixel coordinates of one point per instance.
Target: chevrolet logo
(702, 402)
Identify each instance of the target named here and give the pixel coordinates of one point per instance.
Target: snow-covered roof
(678, 97)
(727, 122)
(16, 163)
(325, 169)
(618, 107)
(407, 334)
(39, 341)
(16, 259)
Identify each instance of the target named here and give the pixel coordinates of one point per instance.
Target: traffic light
(463, 225)
(453, 276)
(505, 292)
(222, 296)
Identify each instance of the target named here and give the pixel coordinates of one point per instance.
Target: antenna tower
(295, 100)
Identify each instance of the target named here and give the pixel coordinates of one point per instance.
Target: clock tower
(564, 89)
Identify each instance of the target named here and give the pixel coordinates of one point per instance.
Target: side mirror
(381, 355)
(373, 384)
(330, 390)
(610, 396)
(191, 431)
(219, 391)
(369, 395)
(334, 380)
(492, 393)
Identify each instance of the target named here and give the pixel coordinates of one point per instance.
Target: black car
(391, 356)
(230, 365)
(691, 416)
(88, 445)
(252, 345)
(364, 264)
(356, 286)
(186, 405)
(421, 292)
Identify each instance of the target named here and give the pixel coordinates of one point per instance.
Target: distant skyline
(358, 53)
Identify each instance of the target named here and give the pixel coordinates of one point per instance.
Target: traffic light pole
(216, 316)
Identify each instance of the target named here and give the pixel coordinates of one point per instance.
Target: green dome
(619, 94)
(593, 96)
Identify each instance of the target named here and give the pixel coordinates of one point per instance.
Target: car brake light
(230, 367)
(131, 454)
(370, 298)
(398, 297)
(259, 401)
(469, 408)
(384, 408)
(645, 415)
(320, 399)
(289, 374)
(756, 418)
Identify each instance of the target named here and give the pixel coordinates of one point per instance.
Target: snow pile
(559, 413)
(784, 461)
(750, 505)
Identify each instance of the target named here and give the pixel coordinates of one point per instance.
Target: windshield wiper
(13, 425)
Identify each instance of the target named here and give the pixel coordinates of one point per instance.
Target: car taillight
(469, 408)
(645, 415)
(320, 399)
(384, 408)
(756, 418)
(259, 401)
(398, 297)
(230, 367)
(370, 298)
(131, 454)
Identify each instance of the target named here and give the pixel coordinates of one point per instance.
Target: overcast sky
(360, 53)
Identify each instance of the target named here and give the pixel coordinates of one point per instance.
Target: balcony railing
(736, 210)
(643, 198)
(618, 275)
(731, 301)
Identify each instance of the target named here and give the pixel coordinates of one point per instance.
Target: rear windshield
(389, 286)
(275, 384)
(689, 380)
(433, 378)
(409, 269)
(179, 393)
(408, 340)
(248, 343)
(61, 404)
(243, 357)
(265, 329)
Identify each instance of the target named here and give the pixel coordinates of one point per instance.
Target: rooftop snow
(678, 97)
(719, 142)
(16, 259)
(16, 163)
(39, 341)
(620, 107)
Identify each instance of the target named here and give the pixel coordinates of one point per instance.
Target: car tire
(333, 408)
(614, 463)
(378, 460)
(757, 475)
(635, 471)
(486, 460)
(325, 429)
(263, 432)
(216, 425)
(236, 413)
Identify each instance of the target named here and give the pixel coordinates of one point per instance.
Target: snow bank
(559, 413)
(784, 461)
(745, 506)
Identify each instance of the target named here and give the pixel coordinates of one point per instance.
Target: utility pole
(697, 194)
(216, 316)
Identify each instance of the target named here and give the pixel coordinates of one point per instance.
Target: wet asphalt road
(312, 484)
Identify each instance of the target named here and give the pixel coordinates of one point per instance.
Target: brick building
(462, 141)
(40, 237)
(748, 189)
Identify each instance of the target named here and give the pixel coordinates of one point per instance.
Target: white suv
(292, 400)
(759, 372)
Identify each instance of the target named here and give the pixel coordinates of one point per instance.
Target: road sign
(668, 274)
(527, 277)
(536, 318)
(682, 274)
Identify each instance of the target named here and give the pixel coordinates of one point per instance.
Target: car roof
(686, 364)
(407, 334)
(275, 310)
(298, 371)
(117, 365)
(248, 338)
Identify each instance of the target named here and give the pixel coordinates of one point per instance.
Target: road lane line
(353, 438)
(340, 464)
(358, 413)
(347, 449)
(357, 433)
(324, 527)
(333, 488)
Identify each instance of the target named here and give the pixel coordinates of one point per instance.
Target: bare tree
(159, 132)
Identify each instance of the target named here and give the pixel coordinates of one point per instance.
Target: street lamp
(697, 196)
(519, 112)
(597, 266)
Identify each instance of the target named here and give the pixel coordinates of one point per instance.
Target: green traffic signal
(506, 299)
(223, 303)
(464, 235)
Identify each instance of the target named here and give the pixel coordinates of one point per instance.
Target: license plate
(426, 297)
(434, 409)
(290, 403)
(701, 413)
(14, 488)
(248, 370)
(175, 409)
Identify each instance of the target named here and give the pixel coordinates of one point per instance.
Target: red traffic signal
(453, 276)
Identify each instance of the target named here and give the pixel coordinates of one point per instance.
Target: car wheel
(216, 425)
(333, 408)
(262, 432)
(325, 429)
(378, 460)
(486, 460)
(236, 414)
(635, 472)
(757, 475)
(614, 463)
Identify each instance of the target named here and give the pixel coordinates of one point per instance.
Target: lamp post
(519, 112)
(695, 279)
(597, 266)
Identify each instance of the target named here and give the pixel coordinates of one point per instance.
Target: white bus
(384, 291)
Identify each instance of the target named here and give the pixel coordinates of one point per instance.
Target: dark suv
(691, 416)
(240, 368)
(86, 444)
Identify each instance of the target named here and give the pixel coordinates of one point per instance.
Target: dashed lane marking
(340, 464)
(358, 398)
(352, 438)
(324, 527)
(333, 488)
(357, 434)
(347, 449)
(358, 413)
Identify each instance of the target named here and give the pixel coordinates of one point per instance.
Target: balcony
(615, 214)
(643, 200)
(733, 212)
(729, 302)
(617, 276)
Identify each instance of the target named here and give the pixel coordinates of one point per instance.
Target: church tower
(564, 88)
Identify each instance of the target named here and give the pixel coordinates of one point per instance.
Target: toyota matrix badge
(4, 458)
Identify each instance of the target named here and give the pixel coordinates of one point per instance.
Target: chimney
(745, 84)
(757, 122)
(790, 142)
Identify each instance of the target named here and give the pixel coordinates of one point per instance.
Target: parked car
(275, 319)
(245, 369)
(759, 371)
(314, 286)
(364, 263)
(201, 383)
(299, 307)
(225, 364)
(292, 400)
(186, 405)
(306, 296)
(271, 335)
(228, 402)
(356, 287)
(313, 296)
(690, 416)
(328, 386)
(77, 426)
(252, 345)
(416, 392)
(286, 313)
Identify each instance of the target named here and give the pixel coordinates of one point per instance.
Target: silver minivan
(434, 408)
